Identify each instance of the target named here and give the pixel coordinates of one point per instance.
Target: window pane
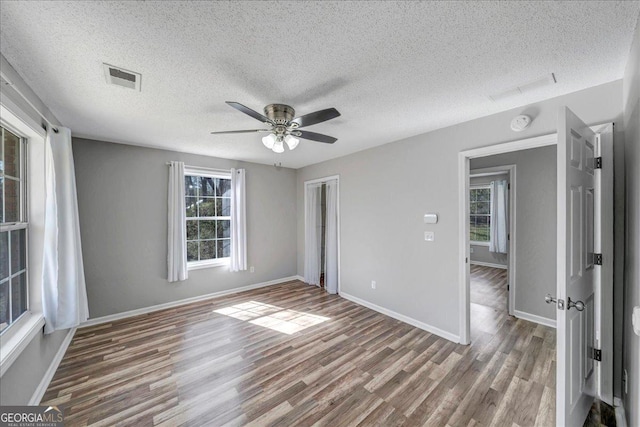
(473, 207)
(4, 255)
(483, 207)
(482, 234)
(473, 195)
(226, 207)
(191, 185)
(207, 207)
(4, 305)
(11, 154)
(208, 186)
(191, 203)
(224, 229)
(482, 220)
(18, 295)
(11, 200)
(484, 194)
(224, 187)
(224, 248)
(192, 230)
(192, 251)
(207, 249)
(207, 230)
(18, 251)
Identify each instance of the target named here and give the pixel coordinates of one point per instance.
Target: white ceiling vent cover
(120, 77)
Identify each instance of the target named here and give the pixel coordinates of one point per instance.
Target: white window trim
(209, 173)
(20, 333)
(480, 187)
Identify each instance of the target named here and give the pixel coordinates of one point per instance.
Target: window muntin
(480, 214)
(14, 300)
(208, 212)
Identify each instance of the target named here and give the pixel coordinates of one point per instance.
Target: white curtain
(238, 221)
(498, 228)
(331, 238)
(312, 236)
(177, 237)
(64, 293)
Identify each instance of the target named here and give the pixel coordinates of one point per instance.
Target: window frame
(207, 173)
(480, 187)
(21, 224)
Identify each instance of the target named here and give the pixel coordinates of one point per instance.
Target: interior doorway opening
(322, 233)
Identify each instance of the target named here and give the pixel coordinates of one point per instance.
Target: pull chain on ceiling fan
(283, 127)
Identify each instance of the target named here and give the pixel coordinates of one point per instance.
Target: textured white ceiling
(393, 69)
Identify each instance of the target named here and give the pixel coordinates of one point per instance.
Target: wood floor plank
(227, 361)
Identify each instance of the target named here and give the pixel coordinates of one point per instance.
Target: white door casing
(575, 269)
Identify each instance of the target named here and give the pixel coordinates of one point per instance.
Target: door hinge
(508, 186)
(598, 163)
(597, 355)
(508, 236)
(597, 259)
(507, 287)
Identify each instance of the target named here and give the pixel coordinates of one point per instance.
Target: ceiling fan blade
(241, 131)
(250, 112)
(316, 136)
(317, 117)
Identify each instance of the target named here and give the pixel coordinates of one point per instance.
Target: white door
(575, 276)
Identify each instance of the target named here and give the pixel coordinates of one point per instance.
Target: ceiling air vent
(120, 77)
(549, 79)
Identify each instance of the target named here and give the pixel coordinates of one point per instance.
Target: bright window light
(273, 317)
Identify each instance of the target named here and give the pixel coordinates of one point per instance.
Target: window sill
(480, 244)
(208, 264)
(14, 341)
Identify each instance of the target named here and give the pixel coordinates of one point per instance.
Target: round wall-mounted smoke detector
(520, 123)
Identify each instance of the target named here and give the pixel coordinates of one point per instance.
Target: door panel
(575, 280)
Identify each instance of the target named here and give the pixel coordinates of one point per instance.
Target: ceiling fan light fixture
(278, 147)
(292, 141)
(269, 141)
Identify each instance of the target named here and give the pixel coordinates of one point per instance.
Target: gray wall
(481, 253)
(535, 225)
(122, 199)
(385, 191)
(23, 377)
(631, 102)
(20, 381)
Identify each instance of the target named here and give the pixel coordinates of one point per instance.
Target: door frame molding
(510, 171)
(321, 180)
(464, 158)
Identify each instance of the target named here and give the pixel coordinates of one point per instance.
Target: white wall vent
(549, 79)
(120, 77)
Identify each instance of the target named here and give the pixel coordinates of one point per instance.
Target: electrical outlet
(373, 284)
(252, 269)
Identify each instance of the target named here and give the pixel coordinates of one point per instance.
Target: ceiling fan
(283, 127)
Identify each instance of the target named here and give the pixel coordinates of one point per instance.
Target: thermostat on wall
(520, 123)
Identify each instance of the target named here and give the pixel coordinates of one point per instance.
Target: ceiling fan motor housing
(280, 113)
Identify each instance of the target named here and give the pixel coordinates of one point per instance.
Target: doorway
(492, 258)
(322, 233)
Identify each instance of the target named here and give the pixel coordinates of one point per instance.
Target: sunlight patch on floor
(273, 317)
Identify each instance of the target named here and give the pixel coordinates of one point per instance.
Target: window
(480, 214)
(13, 229)
(208, 205)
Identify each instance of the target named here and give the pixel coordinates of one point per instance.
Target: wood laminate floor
(291, 354)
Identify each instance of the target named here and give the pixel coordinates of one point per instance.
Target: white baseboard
(621, 418)
(534, 318)
(488, 264)
(151, 309)
(298, 277)
(53, 366)
(402, 318)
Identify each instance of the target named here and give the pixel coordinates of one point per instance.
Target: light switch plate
(429, 236)
(431, 218)
(635, 320)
